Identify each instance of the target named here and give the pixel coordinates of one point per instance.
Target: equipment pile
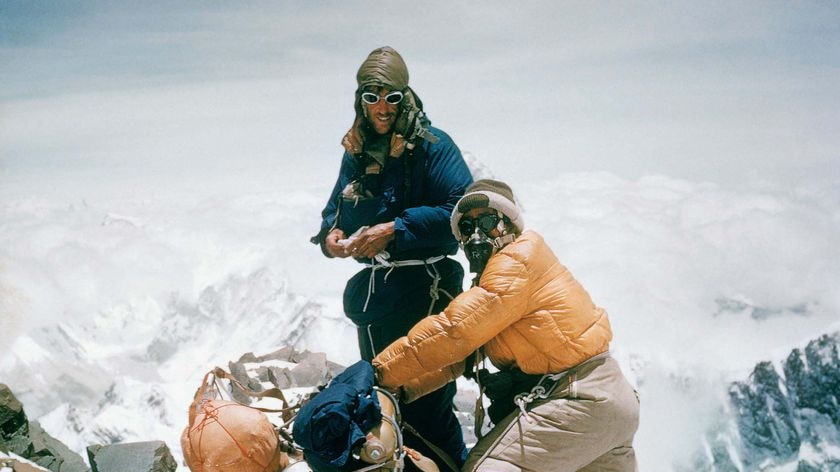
(245, 420)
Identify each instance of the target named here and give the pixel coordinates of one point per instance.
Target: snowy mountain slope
(125, 301)
(148, 400)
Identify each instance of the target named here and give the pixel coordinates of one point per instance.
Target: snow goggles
(485, 223)
(373, 98)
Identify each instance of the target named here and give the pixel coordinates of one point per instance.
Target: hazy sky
(723, 91)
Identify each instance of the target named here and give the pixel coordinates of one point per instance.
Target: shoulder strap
(407, 170)
(270, 393)
(479, 401)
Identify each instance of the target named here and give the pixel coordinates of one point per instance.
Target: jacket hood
(383, 67)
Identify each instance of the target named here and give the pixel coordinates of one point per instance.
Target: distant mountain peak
(782, 419)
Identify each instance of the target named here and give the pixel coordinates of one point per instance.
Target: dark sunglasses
(485, 223)
(372, 98)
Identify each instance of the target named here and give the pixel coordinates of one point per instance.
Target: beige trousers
(586, 424)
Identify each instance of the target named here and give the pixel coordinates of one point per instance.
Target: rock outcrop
(25, 447)
(785, 416)
(28, 440)
(150, 456)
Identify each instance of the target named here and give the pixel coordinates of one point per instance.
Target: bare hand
(372, 241)
(335, 248)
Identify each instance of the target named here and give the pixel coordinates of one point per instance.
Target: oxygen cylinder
(382, 439)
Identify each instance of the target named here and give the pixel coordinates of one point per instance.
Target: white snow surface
(119, 293)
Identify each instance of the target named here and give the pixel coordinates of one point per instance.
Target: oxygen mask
(478, 249)
(479, 245)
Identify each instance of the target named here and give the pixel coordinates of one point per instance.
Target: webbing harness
(541, 391)
(382, 261)
(548, 383)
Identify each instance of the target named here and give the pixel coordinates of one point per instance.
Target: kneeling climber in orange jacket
(559, 400)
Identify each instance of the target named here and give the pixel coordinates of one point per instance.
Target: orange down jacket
(528, 311)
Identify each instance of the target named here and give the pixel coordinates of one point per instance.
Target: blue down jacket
(435, 177)
(333, 423)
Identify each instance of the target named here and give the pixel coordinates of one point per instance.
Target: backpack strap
(267, 393)
(407, 170)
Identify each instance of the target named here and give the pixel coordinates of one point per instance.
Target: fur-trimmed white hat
(488, 193)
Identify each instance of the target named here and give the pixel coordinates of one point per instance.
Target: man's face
(382, 115)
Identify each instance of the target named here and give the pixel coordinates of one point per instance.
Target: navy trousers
(396, 301)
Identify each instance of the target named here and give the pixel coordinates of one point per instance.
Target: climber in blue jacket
(390, 208)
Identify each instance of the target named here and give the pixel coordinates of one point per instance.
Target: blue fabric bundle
(333, 423)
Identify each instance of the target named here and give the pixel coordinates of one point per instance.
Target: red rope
(211, 416)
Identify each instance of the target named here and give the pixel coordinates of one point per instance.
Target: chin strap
(497, 243)
(503, 241)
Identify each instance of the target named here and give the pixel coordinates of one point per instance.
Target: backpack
(227, 436)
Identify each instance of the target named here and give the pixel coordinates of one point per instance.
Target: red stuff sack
(226, 436)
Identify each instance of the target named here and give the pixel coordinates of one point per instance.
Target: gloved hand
(377, 380)
(353, 140)
(497, 386)
(398, 144)
(470, 367)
